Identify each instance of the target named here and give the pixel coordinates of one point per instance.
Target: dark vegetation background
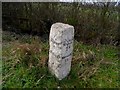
(95, 24)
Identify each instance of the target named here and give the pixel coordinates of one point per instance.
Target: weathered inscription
(66, 42)
(59, 56)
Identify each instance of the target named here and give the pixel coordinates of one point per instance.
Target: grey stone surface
(61, 46)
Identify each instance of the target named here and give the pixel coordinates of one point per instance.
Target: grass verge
(24, 65)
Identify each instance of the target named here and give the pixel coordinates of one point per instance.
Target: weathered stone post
(61, 47)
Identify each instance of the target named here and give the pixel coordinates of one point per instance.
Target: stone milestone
(61, 46)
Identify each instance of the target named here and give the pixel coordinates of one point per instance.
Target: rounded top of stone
(61, 25)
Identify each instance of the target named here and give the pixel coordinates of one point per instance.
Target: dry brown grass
(29, 54)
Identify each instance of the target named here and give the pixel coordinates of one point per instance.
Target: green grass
(92, 67)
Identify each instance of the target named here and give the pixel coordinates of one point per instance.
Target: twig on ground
(40, 79)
